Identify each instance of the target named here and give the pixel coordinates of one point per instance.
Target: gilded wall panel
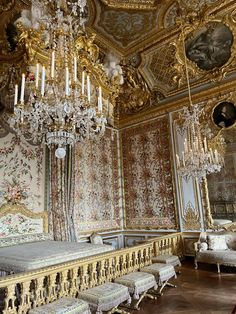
(149, 196)
(21, 173)
(188, 192)
(97, 184)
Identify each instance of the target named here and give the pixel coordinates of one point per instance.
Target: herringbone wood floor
(200, 291)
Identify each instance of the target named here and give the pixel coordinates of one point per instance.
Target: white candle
(53, 65)
(75, 69)
(183, 159)
(205, 144)
(43, 81)
(100, 99)
(82, 87)
(16, 95)
(177, 161)
(22, 88)
(216, 156)
(185, 146)
(88, 88)
(67, 81)
(211, 156)
(37, 76)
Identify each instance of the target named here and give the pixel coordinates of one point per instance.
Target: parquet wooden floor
(200, 291)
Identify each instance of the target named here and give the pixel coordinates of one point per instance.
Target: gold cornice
(176, 104)
(132, 4)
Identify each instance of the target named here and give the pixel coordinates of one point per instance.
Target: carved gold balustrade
(23, 291)
(168, 244)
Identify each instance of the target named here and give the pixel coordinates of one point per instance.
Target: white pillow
(96, 239)
(217, 242)
(203, 246)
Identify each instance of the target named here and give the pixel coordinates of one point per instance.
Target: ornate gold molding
(192, 24)
(132, 4)
(191, 218)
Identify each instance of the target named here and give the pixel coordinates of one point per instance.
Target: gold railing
(168, 244)
(24, 291)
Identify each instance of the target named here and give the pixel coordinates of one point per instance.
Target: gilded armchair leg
(218, 268)
(195, 264)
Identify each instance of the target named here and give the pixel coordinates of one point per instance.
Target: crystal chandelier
(65, 96)
(197, 158)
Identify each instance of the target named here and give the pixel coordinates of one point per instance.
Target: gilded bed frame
(37, 221)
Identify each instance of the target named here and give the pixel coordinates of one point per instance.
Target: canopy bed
(25, 244)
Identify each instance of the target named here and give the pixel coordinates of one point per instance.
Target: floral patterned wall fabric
(149, 196)
(21, 173)
(96, 204)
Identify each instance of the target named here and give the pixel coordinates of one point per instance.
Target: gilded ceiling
(150, 34)
(148, 39)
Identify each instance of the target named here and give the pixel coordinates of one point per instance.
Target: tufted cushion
(137, 282)
(167, 259)
(63, 306)
(162, 272)
(216, 242)
(106, 296)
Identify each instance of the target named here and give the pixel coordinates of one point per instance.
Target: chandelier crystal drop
(65, 96)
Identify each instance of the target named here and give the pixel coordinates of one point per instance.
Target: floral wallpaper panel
(21, 173)
(149, 196)
(97, 184)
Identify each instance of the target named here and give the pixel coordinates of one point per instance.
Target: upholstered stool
(162, 273)
(63, 306)
(168, 259)
(106, 297)
(138, 283)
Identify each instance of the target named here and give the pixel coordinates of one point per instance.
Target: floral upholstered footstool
(168, 259)
(162, 273)
(138, 284)
(106, 297)
(63, 306)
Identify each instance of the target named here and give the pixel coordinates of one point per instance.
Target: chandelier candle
(43, 81)
(53, 64)
(100, 99)
(75, 69)
(22, 94)
(67, 81)
(16, 95)
(37, 76)
(88, 88)
(83, 81)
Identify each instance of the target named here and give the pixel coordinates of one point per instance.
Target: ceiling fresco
(124, 28)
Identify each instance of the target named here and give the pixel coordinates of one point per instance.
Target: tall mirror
(222, 185)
